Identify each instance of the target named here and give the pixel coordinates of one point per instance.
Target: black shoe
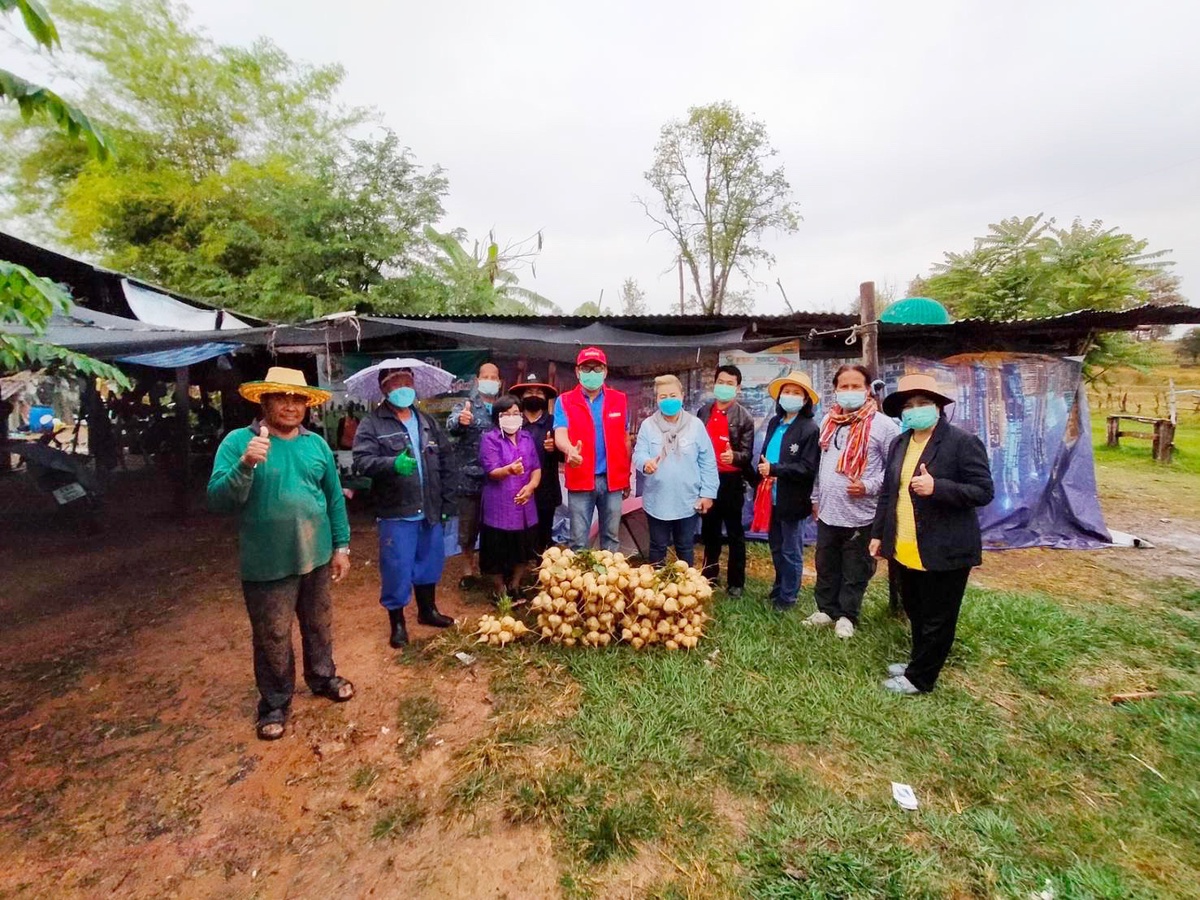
(733, 592)
(427, 611)
(399, 635)
(781, 606)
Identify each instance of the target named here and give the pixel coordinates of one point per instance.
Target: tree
(1026, 268)
(28, 301)
(481, 280)
(1190, 345)
(718, 196)
(632, 298)
(240, 180)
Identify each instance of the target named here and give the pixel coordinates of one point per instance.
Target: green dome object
(916, 311)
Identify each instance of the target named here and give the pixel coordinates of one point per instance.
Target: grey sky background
(904, 128)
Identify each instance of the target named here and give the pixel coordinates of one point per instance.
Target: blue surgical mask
(489, 387)
(402, 398)
(851, 400)
(592, 381)
(919, 418)
(792, 402)
(670, 406)
(724, 392)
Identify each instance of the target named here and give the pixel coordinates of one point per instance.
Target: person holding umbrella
(405, 453)
(294, 537)
(535, 400)
(926, 523)
(790, 459)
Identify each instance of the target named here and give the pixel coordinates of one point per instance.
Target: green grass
(1134, 453)
(400, 818)
(416, 717)
(768, 768)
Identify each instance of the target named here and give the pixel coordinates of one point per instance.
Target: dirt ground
(128, 763)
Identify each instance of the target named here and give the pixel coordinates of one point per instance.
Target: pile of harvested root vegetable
(596, 598)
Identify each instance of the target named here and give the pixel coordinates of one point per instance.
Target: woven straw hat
(284, 381)
(798, 378)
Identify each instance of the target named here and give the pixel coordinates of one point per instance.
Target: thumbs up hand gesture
(922, 483)
(856, 488)
(517, 466)
(466, 417)
(575, 457)
(405, 463)
(256, 450)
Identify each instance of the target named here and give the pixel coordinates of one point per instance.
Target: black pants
(844, 568)
(726, 511)
(545, 527)
(932, 601)
(272, 605)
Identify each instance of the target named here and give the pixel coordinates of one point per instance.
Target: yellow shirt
(906, 522)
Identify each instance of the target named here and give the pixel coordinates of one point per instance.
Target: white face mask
(510, 424)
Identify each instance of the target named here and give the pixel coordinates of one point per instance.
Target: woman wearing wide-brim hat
(788, 465)
(926, 524)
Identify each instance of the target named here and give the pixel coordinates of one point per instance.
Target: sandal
(337, 689)
(272, 726)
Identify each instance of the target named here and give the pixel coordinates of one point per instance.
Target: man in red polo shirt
(731, 429)
(591, 428)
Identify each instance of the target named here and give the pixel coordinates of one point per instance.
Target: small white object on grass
(465, 658)
(904, 795)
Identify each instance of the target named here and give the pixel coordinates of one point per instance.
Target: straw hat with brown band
(798, 378)
(910, 385)
(284, 381)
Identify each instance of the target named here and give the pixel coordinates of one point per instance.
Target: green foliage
(1189, 345)
(717, 196)
(455, 280)
(28, 301)
(240, 178)
(632, 299)
(1028, 268)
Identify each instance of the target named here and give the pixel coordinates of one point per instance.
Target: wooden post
(1114, 431)
(1164, 441)
(681, 304)
(183, 436)
(870, 327)
(1172, 410)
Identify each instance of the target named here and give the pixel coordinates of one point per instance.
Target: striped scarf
(853, 461)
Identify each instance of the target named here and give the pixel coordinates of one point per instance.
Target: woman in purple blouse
(508, 522)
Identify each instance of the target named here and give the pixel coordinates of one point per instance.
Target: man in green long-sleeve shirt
(282, 481)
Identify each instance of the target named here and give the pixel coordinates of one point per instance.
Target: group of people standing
(875, 490)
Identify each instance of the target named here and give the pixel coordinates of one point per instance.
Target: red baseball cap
(591, 354)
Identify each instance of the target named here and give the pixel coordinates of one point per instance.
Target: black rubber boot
(427, 611)
(399, 635)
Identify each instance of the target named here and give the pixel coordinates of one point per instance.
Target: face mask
(510, 424)
(402, 398)
(724, 392)
(670, 406)
(534, 404)
(592, 381)
(792, 402)
(919, 418)
(851, 400)
(489, 387)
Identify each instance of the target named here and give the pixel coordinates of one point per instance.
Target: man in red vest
(591, 428)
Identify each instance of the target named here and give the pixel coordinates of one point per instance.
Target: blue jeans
(665, 532)
(410, 553)
(786, 540)
(600, 499)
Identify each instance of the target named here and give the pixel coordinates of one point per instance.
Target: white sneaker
(896, 669)
(818, 620)
(844, 628)
(900, 685)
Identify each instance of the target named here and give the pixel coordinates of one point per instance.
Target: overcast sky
(904, 128)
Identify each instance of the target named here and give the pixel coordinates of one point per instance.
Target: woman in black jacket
(926, 524)
(790, 459)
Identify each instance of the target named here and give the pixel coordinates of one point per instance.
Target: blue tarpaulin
(184, 356)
